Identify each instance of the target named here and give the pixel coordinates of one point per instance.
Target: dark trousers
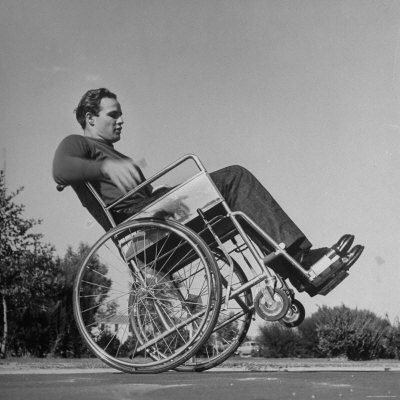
(243, 192)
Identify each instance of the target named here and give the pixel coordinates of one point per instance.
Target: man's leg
(243, 192)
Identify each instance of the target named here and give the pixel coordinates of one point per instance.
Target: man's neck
(91, 135)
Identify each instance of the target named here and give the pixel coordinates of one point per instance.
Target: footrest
(329, 285)
(330, 271)
(324, 268)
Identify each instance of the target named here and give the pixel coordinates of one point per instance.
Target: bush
(334, 332)
(278, 341)
(30, 333)
(391, 342)
(356, 334)
(309, 338)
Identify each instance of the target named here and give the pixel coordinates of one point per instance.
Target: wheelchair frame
(226, 282)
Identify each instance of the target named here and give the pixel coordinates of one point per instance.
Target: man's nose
(120, 120)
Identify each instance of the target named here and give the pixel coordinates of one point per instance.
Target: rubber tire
(261, 308)
(198, 364)
(87, 271)
(298, 314)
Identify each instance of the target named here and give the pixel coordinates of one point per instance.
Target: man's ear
(89, 118)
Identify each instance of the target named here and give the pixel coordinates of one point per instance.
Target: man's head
(99, 114)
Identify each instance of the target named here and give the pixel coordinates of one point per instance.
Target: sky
(305, 94)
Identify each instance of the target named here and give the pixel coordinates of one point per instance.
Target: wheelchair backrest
(98, 209)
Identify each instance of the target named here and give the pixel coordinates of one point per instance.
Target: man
(92, 158)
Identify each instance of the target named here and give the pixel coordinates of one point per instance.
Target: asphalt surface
(232, 384)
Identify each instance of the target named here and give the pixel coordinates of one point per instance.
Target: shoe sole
(344, 244)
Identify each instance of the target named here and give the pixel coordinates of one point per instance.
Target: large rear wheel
(147, 296)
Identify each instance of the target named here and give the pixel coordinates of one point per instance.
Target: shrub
(309, 338)
(356, 334)
(278, 341)
(391, 342)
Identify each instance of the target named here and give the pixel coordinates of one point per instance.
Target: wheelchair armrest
(158, 175)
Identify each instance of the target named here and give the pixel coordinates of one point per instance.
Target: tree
(392, 341)
(27, 266)
(65, 337)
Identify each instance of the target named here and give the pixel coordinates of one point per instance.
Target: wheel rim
(129, 313)
(295, 316)
(274, 311)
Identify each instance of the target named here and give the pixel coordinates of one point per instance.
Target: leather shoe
(343, 245)
(352, 256)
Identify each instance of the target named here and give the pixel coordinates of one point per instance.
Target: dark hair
(90, 102)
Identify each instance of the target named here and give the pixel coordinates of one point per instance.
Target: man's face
(108, 124)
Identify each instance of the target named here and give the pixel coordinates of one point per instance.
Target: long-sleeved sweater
(79, 159)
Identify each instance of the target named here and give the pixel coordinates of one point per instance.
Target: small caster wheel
(274, 311)
(295, 315)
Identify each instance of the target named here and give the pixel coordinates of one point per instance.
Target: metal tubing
(172, 330)
(278, 249)
(159, 175)
(252, 282)
(233, 318)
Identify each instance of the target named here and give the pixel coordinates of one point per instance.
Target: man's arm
(73, 164)
(123, 173)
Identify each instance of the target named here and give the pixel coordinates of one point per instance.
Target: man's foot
(340, 272)
(341, 247)
(308, 259)
(352, 256)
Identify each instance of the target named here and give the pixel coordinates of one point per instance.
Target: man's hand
(123, 173)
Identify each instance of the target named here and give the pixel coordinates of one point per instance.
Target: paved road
(232, 385)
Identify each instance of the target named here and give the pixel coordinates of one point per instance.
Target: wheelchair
(176, 286)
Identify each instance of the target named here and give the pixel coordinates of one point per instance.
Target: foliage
(228, 332)
(334, 332)
(30, 332)
(67, 341)
(392, 342)
(309, 338)
(218, 341)
(357, 334)
(27, 266)
(278, 341)
(111, 344)
(36, 287)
